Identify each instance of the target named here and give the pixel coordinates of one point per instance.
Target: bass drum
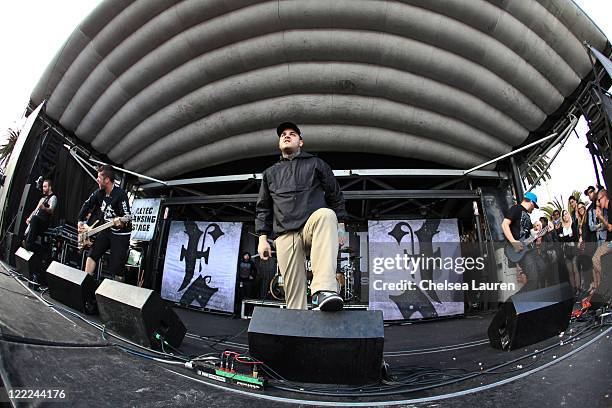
(277, 287)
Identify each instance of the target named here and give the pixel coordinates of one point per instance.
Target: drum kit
(345, 277)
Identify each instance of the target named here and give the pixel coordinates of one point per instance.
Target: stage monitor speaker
(138, 314)
(529, 317)
(343, 347)
(28, 264)
(72, 287)
(603, 295)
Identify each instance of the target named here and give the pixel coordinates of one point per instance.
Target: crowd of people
(572, 248)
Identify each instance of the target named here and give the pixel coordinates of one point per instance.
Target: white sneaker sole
(331, 304)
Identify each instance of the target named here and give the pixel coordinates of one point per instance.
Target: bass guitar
(84, 241)
(516, 256)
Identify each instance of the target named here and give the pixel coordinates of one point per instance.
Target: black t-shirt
(520, 221)
(110, 206)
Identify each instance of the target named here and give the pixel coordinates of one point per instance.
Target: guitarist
(39, 220)
(111, 202)
(517, 225)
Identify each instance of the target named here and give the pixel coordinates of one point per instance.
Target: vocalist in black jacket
(300, 202)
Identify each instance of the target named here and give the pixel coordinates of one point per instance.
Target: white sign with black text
(145, 212)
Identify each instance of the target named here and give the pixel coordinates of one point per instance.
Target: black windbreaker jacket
(291, 190)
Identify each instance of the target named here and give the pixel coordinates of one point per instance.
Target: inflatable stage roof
(166, 88)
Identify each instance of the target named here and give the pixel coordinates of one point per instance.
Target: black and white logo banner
(200, 266)
(415, 268)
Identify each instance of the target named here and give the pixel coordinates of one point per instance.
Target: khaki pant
(320, 234)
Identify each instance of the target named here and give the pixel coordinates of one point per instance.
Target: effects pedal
(217, 372)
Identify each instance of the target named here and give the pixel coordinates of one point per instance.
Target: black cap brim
(288, 125)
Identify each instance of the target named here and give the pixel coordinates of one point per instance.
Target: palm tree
(7, 148)
(556, 204)
(577, 194)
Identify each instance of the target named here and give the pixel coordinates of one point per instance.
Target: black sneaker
(327, 301)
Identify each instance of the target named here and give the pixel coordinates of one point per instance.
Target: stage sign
(415, 268)
(145, 212)
(201, 264)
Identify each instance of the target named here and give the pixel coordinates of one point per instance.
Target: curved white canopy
(169, 87)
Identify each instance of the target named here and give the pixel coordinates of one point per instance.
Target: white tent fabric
(168, 87)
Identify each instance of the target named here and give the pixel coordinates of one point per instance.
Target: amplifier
(102, 268)
(71, 256)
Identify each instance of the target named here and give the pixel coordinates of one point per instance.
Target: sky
(33, 31)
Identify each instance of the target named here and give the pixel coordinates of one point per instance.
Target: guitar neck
(105, 226)
(100, 228)
(538, 235)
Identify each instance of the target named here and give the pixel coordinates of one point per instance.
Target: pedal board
(229, 377)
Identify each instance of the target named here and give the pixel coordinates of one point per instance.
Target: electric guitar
(515, 256)
(84, 241)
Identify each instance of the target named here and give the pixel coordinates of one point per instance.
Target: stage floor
(43, 347)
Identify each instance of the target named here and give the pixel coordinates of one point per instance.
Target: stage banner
(201, 264)
(145, 212)
(415, 268)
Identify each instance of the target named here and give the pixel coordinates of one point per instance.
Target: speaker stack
(533, 316)
(318, 347)
(608, 176)
(11, 244)
(29, 196)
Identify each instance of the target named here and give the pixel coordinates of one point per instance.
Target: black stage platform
(439, 363)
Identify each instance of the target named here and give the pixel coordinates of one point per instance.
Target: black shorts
(119, 246)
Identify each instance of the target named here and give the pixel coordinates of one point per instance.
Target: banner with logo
(415, 268)
(201, 264)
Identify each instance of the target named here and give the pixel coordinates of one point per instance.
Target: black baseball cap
(288, 125)
(589, 188)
